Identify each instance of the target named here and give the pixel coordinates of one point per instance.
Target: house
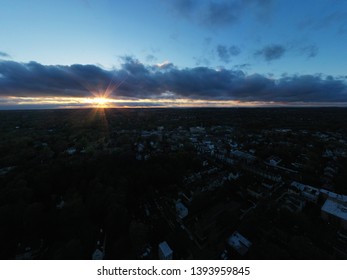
(335, 211)
(263, 173)
(273, 161)
(256, 191)
(71, 151)
(60, 205)
(181, 210)
(333, 196)
(99, 253)
(243, 156)
(197, 130)
(165, 252)
(239, 243)
(233, 175)
(292, 202)
(233, 145)
(309, 193)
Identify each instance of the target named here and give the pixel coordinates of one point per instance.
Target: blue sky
(242, 50)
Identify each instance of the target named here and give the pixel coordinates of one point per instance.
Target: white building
(334, 211)
(181, 210)
(165, 252)
(239, 243)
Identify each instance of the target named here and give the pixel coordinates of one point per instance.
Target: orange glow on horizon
(99, 101)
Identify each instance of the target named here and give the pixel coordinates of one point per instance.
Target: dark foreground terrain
(211, 183)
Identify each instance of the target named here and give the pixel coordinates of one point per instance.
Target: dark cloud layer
(137, 80)
(271, 52)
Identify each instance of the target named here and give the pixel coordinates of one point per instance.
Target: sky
(172, 53)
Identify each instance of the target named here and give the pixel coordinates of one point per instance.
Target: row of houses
(334, 208)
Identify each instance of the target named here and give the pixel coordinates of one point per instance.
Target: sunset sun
(100, 101)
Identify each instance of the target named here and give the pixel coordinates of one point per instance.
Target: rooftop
(165, 248)
(335, 208)
(239, 243)
(334, 195)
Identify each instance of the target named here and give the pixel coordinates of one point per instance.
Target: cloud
(221, 13)
(201, 60)
(264, 9)
(311, 88)
(86, 3)
(244, 66)
(271, 52)
(136, 80)
(207, 53)
(151, 58)
(216, 13)
(335, 19)
(309, 51)
(185, 7)
(5, 55)
(166, 65)
(234, 50)
(225, 53)
(34, 79)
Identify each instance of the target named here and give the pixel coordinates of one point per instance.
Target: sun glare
(100, 102)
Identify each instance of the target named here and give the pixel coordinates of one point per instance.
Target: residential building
(334, 211)
(239, 243)
(165, 252)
